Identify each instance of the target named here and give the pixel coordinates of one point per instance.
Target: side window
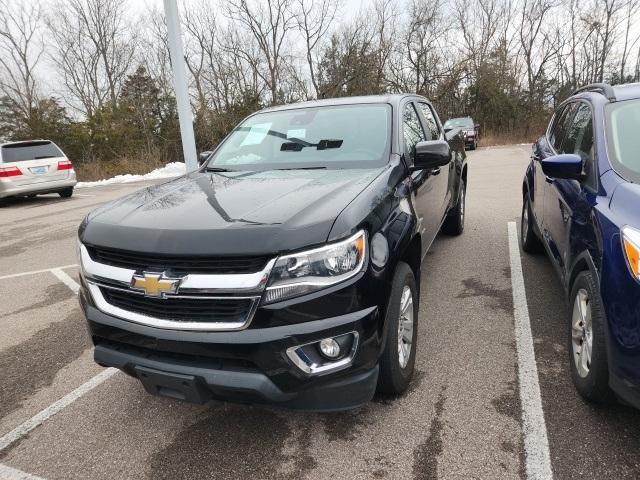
(430, 118)
(411, 130)
(560, 126)
(579, 138)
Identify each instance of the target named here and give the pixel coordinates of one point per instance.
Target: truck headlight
(306, 272)
(631, 244)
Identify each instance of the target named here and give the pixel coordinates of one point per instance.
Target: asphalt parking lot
(63, 417)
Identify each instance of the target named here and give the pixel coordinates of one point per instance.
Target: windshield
(20, 152)
(344, 136)
(459, 122)
(623, 141)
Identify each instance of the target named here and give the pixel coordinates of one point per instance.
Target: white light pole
(180, 82)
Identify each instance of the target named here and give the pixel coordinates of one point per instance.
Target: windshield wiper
(302, 168)
(218, 169)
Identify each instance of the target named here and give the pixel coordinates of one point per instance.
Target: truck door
(428, 200)
(444, 176)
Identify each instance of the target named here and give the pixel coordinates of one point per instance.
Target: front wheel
(454, 223)
(587, 346)
(398, 358)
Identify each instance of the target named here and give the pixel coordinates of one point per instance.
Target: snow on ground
(173, 169)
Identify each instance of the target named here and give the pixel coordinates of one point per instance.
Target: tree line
(95, 75)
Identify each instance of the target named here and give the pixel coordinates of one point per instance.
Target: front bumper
(247, 366)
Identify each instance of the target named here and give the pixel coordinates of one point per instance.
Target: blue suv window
(623, 141)
(560, 126)
(579, 140)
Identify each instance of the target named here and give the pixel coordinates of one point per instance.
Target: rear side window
(560, 126)
(20, 152)
(430, 119)
(411, 130)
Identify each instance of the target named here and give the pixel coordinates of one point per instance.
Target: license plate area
(171, 385)
(39, 170)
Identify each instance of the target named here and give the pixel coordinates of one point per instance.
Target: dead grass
(97, 170)
(492, 139)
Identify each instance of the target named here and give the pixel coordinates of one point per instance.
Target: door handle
(548, 179)
(435, 171)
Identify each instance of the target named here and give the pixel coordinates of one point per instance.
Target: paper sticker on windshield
(297, 133)
(256, 134)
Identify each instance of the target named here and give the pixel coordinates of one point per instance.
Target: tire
(66, 193)
(474, 145)
(591, 382)
(454, 223)
(396, 369)
(531, 243)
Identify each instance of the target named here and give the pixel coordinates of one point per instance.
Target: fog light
(330, 348)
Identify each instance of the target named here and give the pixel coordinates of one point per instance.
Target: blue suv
(582, 205)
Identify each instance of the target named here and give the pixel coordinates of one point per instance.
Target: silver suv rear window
(21, 152)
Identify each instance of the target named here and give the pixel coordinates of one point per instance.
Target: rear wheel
(66, 193)
(587, 347)
(454, 223)
(399, 355)
(530, 241)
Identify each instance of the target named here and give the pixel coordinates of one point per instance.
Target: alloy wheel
(405, 327)
(582, 333)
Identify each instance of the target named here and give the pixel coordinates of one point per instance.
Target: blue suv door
(568, 203)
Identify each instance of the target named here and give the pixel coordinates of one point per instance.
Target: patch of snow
(173, 169)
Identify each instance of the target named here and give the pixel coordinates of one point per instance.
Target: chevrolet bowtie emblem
(155, 284)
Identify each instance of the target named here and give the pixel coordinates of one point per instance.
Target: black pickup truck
(286, 269)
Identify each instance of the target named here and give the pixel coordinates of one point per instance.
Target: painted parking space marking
(35, 272)
(38, 419)
(66, 279)
(536, 443)
(8, 473)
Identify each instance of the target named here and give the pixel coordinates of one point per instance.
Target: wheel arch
(582, 262)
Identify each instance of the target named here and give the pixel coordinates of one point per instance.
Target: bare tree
(314, 18)
(20, 54)
(270, 22)
(94, 50)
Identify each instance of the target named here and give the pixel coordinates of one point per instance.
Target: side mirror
(565, 165)
(431, 154)
(447, 129)
(203, 157)
(477, 126)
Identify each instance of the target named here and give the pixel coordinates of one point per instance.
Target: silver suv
(33, 167)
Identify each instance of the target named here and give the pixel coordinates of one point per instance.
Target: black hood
(230, 213)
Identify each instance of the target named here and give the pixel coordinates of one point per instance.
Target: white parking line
(536, 443)
(23, 429)
(66, 279)
(34, 272)
(8, 473)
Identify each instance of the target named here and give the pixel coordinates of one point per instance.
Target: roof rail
(603, 88)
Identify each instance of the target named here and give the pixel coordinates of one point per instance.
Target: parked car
(470, 130)
(286, 269)
(582, 203)
(34, 167)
